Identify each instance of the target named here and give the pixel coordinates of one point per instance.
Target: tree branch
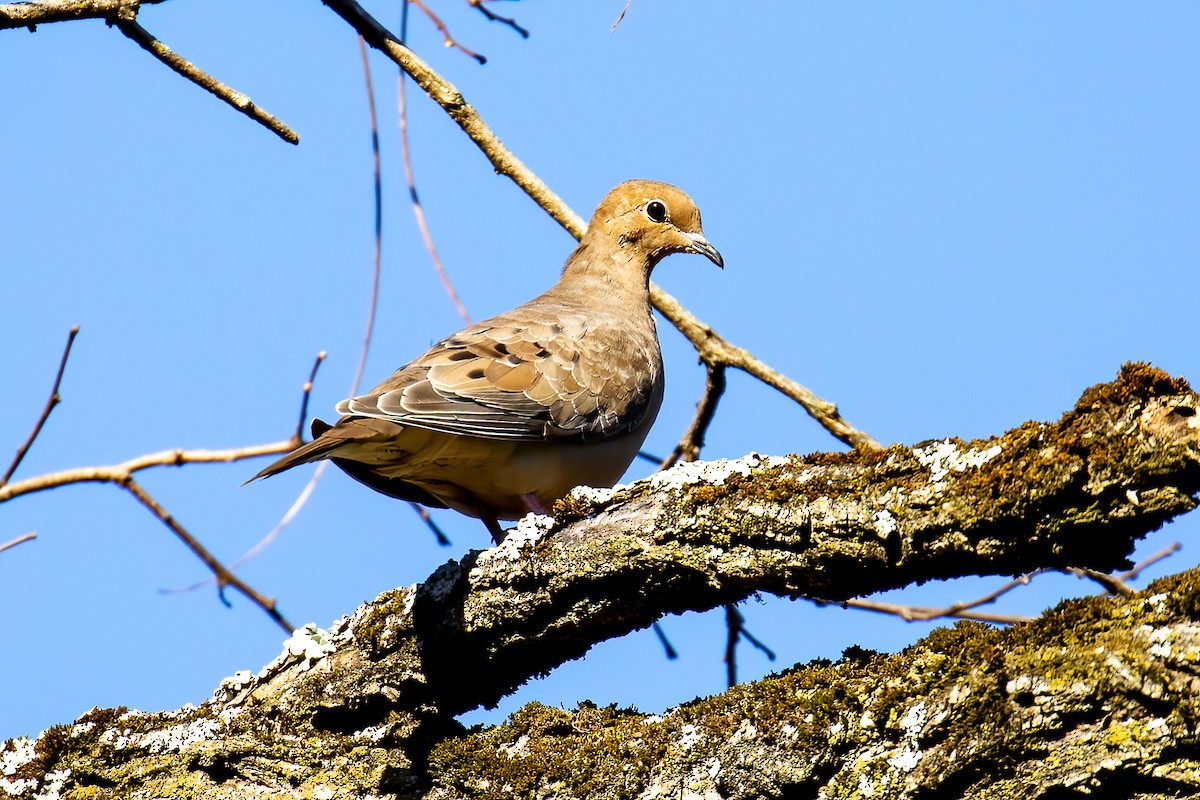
(385, 683)
(25, 537)
(31, 14)
(692, 443)
(224, 576)
(181, 65)
(51, 402)
(123, 15)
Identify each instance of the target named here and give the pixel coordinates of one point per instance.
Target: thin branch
(430, 523)
(19, 540)
(714, 349)
(53, 401)
(224, 576)
(419, 211)
(711, 346)
(624, 11)
(297, 504)
(305, 395)
(117, 473)
(1111, 583)
(447, 39)
(958, 610)
(923, 614)
(668, 649)
(1116, 584)
(266, 541)
(30, 15)
(735, 627)
(377, 271)
(692, 442)
(493, 17)
(368, 334)
(128, 25)
(1150, 561)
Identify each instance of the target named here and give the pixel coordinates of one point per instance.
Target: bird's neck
(610, 274)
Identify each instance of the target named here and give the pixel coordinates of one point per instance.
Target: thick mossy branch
(1078, 492)
(371, 704)
(1099, 697)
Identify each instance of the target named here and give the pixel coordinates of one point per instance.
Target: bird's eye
(656, 210)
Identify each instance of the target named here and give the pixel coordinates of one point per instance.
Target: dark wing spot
(460, 355)
(502, 348)
(475, 374)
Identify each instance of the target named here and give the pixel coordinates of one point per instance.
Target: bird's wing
(538, 372)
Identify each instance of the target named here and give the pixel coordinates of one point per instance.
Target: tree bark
(1097, 696)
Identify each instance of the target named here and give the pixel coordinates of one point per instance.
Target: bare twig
(372, 308)
(305, 395)
(735, 626)
(493, 17)
(123, 14)
(1150, 561)
(692, 442)
(119, 473)
(377, 270)
(116, 473)
(923, 614)
(30, 15)
(624, 11)
(418, 211)
(53, 401)
(668, 649)
(19, 540)
(447, 39)
(287, 518)
(1116, 584)
(297, 504)
(714, 349)
(430, 523)
(127, 23)
(224, 576)
(1111, 583)
(958, 610)
(711, 346)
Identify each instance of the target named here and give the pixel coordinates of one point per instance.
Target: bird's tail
(320, 447)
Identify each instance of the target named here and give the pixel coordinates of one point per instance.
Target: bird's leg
(493, 525)
(535, 505)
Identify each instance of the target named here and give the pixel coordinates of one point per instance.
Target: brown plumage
(511, 413)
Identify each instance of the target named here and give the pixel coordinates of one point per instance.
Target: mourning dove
(509, 414)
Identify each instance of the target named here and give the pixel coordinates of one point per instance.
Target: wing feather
(530, 374)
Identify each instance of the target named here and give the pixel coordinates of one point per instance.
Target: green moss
(1136, 381)
(571, 508)
(103, 717)
(50, 747)
(387, 609)
(1183, 593)
(811, 716)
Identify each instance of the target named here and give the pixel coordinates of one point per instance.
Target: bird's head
(651, 218)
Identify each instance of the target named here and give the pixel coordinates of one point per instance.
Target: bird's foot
(535, 505)
(493, 526)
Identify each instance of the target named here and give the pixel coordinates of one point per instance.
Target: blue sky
(946, 217)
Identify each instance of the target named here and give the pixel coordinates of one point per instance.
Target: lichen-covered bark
(368, 707)
(1099, 696)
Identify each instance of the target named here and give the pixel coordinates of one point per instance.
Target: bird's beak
(700, 245)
